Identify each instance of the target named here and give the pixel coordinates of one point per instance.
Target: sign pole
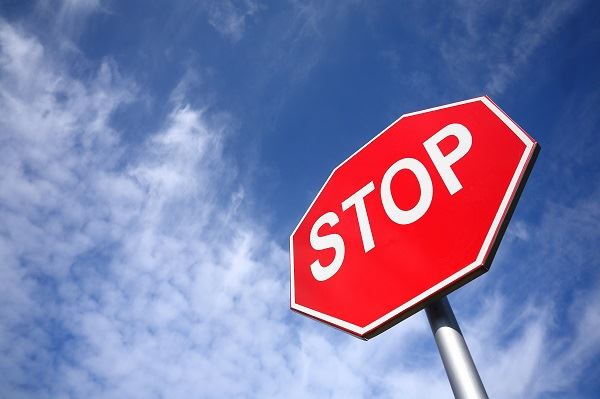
(462, 373)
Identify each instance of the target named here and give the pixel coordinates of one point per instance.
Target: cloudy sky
(155, 156)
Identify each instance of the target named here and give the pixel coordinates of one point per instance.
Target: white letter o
(401, 216)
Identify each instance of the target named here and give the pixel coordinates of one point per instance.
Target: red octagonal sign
(414, 214)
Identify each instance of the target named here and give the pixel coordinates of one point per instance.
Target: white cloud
(138, 264)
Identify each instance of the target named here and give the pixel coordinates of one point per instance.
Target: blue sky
(156, 156)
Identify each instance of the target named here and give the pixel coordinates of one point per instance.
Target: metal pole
(462, 374)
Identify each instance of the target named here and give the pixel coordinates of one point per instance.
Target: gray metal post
(462, 374)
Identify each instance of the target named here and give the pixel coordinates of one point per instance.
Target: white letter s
(335, 241)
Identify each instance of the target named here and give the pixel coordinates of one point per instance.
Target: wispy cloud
(230, 17)
(495, 41)
(56, 143)
(303, 34)
(150, 262)
(519, 351)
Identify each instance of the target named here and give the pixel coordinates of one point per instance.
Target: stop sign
(414, 214)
